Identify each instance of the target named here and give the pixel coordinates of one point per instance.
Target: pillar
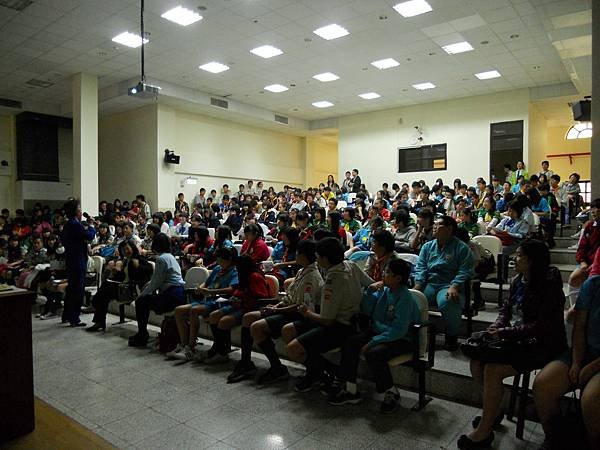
(595, 160)
(85, 141)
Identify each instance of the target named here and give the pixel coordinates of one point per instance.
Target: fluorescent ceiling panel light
(413, 8)
(386, 63)
(266, 51)
(459, 47)
(214, 67)
(276, 88)
(488, 75)
(332, 31)
(369, 95)
(129, 39)
(423, 86)
(182, 16)
(326, 76)
(322, 104)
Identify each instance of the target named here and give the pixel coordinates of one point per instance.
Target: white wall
(219, 151)
(370, 141)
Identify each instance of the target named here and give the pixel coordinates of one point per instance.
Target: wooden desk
(16, 364)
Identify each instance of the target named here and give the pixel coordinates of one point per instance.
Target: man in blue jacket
(445, 264)
(388, 336)
(75, 240)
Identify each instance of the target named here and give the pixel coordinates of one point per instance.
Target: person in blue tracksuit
(445, 264)
(75, 240)
(388, 336)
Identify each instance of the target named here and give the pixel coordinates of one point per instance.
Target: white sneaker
(49, 315)
(186, 354)
(172, 354)
(217, 359)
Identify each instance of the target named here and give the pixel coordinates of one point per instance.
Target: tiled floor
(137, 400)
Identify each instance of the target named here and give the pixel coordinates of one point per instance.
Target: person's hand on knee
(453, 294)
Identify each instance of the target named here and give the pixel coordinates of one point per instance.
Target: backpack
(168, 338)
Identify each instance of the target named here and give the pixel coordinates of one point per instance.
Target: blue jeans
(451, 312)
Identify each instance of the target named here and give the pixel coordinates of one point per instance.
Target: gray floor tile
(222, 422)
(302, 416)
(105, 411)
(185, 406)
(402, 443)
(181, 437)
(350, 432)
(263, 436)
(107, 373)
(153, 394)
(112, 438)
(141, 425)
(309, 443)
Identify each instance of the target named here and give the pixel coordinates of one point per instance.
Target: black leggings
(159, 303)
(107, 292)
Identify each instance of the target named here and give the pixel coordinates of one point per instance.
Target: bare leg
(296, 351)
(195, 312)
(493, 375)
(590, 407)
(288, 333)
(260, 331)
(548, 387)
(477, 368)
(181, 314)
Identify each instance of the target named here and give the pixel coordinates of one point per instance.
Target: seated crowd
(345, 261)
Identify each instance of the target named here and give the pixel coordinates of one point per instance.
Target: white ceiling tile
(467, 23)
(438, 30)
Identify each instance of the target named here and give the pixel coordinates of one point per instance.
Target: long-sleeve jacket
(589, 242)
(392, 314)
(451, 264)
(75, 239)
(516, 228)
(542, 310)
(257, 288)
(167, 273)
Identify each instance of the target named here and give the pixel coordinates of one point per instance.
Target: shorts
(209, 306)
(278, 321)
(567, 357)
(319, 339)
(229, 310)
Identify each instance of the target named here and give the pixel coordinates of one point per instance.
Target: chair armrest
(267, 301)
(416, 327)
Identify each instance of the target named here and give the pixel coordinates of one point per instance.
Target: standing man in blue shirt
(445, 264)
(75, 240)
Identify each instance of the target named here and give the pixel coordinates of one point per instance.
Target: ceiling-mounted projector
(144, 90)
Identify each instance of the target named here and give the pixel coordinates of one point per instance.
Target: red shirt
(256, 289)
(258, 250)
(589, 242)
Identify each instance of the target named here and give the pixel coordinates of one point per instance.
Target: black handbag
(484, 347)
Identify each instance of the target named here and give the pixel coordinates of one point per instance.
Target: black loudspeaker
(582, 111)
(171, 157)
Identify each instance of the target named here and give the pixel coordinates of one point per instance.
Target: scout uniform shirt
(306, 288)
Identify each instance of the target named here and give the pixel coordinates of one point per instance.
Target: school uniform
(219, 278)
(388, 336)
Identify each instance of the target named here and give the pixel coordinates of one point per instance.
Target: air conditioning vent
(17, 5)
(39, 83)
(219, 103)
(11, 103)
(281, 119)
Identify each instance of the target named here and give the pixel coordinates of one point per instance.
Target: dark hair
(154, 228)
(516, 206)
(385, 239)
(492, 202)
(320, 211)
(401, 268)
(307, 248)
(254, 229)
(302, 215)
(462, 234)
(70, 208)
(161, 243)
(576, 176)
(134, 250)
(246, 267)
(595, 203)
(403, 217)
(545, 162)
(334, 200)
(555, 177)
(539, 257)
(534, 196)
(159, 216)
(140, 197)
(336, 219)
(332, 249)
(293, 235)
(544, 187)
(228, 253)
(534, 178)
(426, 213)
(285, 218)
(449, 222)
(350, 211)
(223, 233)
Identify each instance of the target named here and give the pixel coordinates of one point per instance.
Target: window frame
(422, 147)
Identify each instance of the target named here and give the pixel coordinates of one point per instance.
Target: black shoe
(273, 375)
(496, 424)
(242, 371)
(306, 384)
(77, 324)
(451, 343)
(344, 398)
(464, 443)
(390, 403)
(138, 340)
(329, 385)
(96, 327)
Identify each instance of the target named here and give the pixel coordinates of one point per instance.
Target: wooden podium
(16, 364)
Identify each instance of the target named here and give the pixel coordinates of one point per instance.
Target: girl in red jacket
(254, 244)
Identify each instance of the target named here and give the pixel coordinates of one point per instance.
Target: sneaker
(241, 372)
(330, 386)
(573, 247)
(38, 315)
(187, 354)
(216, 358)
(344, 397)
(390, 403)
(46, 316)
(172, 353)
(306, 384)
(273, 375)
(138, 340)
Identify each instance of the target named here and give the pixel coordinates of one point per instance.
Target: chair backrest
(211, 233)
(238, 247)
(413, 216)
(490, 243)
(349, 240)
(273, 284)
(270, 250)
(152, 264)
(98, 263)
(264, 228)
(195, 277)
(409, 257)
(352, 196)
(424, 307)
(536, 222)
(341, 204)
(482, 228)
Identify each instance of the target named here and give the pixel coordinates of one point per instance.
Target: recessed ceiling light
(385, 63)
(326, 76)
(332, 31)
(214, 67)
(182, 16)
(266, 51)
(276, 88)
(488, 75)
(423, 86)
(459, 47)
(413, 8)
(369, 95)
(322, 104)
(129, 39)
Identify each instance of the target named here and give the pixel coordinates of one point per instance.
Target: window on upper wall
(422, 159)
(581, 130)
